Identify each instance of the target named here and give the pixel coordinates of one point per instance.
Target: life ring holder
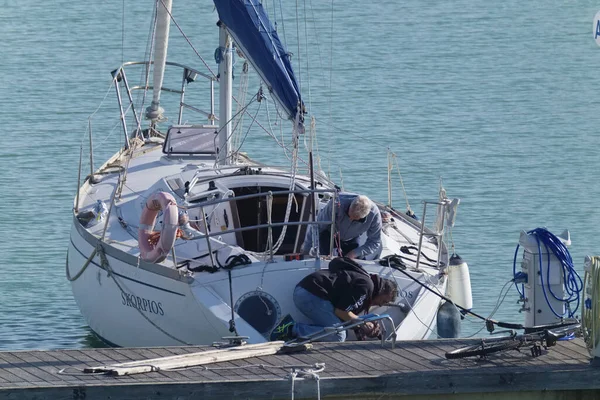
(155, 203)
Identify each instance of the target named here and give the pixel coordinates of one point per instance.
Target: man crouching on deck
(354, 215)
(338, 294)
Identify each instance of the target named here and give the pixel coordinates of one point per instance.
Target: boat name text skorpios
(142, 304)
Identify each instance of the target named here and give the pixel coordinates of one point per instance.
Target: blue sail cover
(249, 26)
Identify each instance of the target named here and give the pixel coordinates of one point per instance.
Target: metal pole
(211, 118)
(212, 261)
(439, 241)
(137, 119)
(78, 178)
(112, 202)
(389, 178)
(421, 235)
(116, 75)
(299, 226)
(185, 72)
(313, 200)
(270, 229)
(91, 148)
(225, 90)
(174, 259)
(332, 226)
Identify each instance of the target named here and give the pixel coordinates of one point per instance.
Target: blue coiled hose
(572, 280)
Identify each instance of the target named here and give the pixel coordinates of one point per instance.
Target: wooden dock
(365, 370)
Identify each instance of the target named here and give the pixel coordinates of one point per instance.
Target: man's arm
(345, 315)
(370, 329)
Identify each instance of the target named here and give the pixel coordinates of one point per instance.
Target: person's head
(359, 208)
(386, 293)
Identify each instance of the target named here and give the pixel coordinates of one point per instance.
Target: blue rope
(522, 290)
(572, 281)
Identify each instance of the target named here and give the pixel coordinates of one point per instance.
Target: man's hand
(368, 329)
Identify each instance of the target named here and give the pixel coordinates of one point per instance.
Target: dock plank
(352, 370)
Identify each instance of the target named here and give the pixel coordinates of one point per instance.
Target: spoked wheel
(484, 348)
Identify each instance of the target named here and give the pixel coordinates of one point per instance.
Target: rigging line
(307, 58)
(316, 32)
(265, 129)
(401, 180)
(149, 40)
(412, 308)
(282, 24)
(498, 303)
(501, 324)
(188, 40)
(285, 150)
(228, 138)
(298, 36)
(350, 133)
(330, 94)
(282, 118)
(248, 131)
(123, 33)
(111, 132)
(147, 55)
(99, 106)
(242, 91)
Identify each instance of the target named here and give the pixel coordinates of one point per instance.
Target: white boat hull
(130, 304)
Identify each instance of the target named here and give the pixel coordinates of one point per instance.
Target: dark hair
(389, 287)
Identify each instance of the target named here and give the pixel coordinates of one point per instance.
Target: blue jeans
(319, 311)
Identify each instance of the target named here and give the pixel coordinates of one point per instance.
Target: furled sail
(249, 26)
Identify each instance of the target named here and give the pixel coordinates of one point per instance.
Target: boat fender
(155, 203)
(448, 321)
(459, 282)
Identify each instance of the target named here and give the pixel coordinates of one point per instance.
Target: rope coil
(307, 373)
(590, 307)
(572, 280)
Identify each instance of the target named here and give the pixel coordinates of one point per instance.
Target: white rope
(294, 169)
(307, 373)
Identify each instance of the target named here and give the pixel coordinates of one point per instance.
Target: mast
(225, 93)
(155, 112)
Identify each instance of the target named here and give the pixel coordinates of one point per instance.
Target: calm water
(499, 100)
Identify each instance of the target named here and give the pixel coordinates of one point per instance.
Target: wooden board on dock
(414, 369)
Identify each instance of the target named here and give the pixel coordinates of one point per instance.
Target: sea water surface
(496, 99)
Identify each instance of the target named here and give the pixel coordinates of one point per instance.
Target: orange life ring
(167, 203)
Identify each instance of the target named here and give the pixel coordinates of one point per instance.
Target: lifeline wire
(396, 263)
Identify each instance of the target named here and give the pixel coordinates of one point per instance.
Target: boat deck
(413, 370)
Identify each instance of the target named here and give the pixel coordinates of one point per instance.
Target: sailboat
(179, 238)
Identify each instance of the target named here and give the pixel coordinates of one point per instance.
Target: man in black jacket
(339, 294)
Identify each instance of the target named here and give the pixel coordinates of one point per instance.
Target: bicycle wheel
(565, 330)
(483, 348)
